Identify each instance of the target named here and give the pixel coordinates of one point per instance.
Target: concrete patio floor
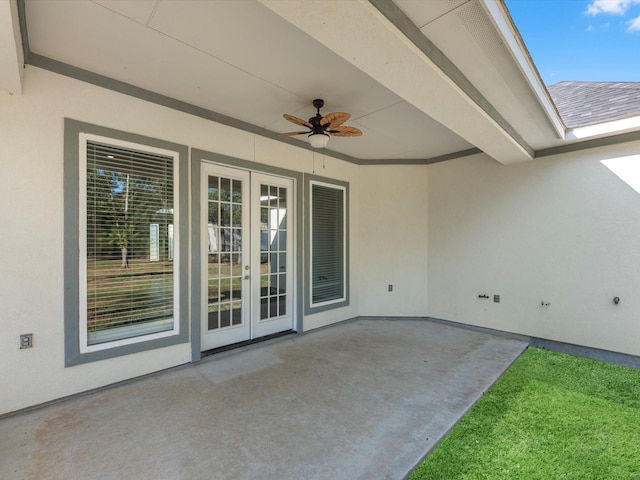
(365, 399)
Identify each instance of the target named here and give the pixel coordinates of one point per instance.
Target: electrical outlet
(26, 340)
(390, 288)
(496, 298)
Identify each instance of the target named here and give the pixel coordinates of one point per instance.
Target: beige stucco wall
(393, 241)
(31, 284)
(562, 229)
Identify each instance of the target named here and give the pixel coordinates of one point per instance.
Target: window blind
(327, 213)
(129, 242)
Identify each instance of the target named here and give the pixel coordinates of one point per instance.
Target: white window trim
(343, 298)
(82, 244)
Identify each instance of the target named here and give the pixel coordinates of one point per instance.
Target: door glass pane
(225, 289)
(213, 214)
(225, 189)
(214, 183)
(236, 215)
(213, 320)
(236, 191)
(236, 290)
(225, 215)
(236, 264)
(282, 241)
(225, 246)
(225, 315)
(225, 240)
(236, 318)
(273, 240)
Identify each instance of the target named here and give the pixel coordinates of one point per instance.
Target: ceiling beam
(11, 54)
(414, 70)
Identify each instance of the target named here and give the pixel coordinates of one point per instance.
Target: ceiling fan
(321, 128)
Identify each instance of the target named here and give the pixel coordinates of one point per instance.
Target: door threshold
(245, 343)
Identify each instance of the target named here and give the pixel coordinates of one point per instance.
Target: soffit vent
(477, 22)
(498, 77)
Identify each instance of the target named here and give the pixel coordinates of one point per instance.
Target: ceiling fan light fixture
(318, 140)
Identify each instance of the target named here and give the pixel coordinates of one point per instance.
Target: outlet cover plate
(26, 340)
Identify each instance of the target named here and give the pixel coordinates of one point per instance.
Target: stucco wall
(393, 247)
(562, 229)
(31, 293)
(31, 284)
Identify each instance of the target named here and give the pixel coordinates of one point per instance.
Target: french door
(247, 254)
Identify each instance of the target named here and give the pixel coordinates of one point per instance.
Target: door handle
(247, 277)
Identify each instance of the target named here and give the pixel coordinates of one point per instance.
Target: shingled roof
(588, 103)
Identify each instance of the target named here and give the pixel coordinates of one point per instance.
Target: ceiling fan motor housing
(318, 103)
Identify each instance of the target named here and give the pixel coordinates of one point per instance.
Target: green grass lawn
(550, 416)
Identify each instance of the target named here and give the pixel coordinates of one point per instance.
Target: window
(126, 245)
(126, 266)
(328, 277)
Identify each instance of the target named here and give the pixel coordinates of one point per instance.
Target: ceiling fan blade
(345, 132)
(297, 121)
(334, 119)
(290, 134)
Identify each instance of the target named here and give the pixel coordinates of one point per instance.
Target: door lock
(247, 267)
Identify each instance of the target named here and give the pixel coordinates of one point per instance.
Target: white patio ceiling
(251, 61)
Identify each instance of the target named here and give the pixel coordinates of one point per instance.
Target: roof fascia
(613, 127)
(606, 141)
(506, 28)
